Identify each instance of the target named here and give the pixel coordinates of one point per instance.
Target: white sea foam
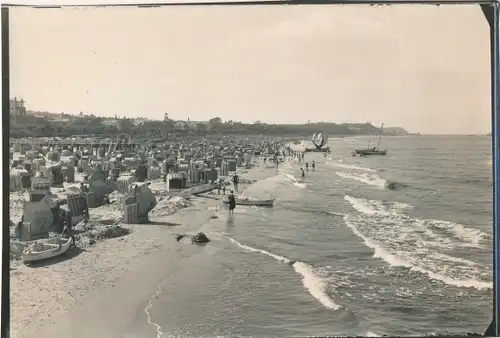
(312, 281)
(370, 179)
(159, 333)
(348, 166)
(414, 243)
(295, 182)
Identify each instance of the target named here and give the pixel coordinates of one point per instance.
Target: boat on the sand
(252, 202)
(45, 248)
(201, 189)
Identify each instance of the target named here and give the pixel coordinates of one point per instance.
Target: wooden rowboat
(251, 202)
(201, 189)
(45, 248)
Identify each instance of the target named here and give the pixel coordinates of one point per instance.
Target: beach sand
(101, 290)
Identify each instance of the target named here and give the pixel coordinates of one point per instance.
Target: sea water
(396, 245)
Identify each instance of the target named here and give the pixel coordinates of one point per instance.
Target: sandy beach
(110, 282)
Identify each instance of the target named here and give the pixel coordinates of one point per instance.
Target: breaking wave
(349, 166)
(422, 245)
(373, 180)
(313, 282)
(295, 181)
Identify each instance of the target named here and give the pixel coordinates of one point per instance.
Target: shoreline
(109, 281)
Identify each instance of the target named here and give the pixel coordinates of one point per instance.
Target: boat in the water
(371, 150)
(201, 189)
(252, 202)
(45, 248)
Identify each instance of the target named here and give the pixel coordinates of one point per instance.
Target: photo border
(490, 8)
(5, 149)
(493, 22)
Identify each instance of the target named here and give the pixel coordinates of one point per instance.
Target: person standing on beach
(307, 166)
(314, 165)
(68, 226)
(232, 202)
(303, 175)
(236, 181)
(19, 227)
(85, 211)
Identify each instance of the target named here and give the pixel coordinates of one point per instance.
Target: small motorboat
(252, 202)
(45, 248)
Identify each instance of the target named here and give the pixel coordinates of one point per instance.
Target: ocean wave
(295, 181)
(349, 166)
(310, 210)
(370, 179)
(393, 185)
(373, 180)
(392, 211)
(474, 181)
(313, 282)
(402, 241)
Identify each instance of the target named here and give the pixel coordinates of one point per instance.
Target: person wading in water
(236, 181)
(232, 202)
(219, 185)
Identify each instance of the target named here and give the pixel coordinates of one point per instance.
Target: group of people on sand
(275, 159)
(221, 184)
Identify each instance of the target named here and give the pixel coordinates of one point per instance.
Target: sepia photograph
(250, 170)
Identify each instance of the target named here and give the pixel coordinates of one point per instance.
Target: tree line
(124, 127)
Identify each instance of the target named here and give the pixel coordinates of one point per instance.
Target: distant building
(110, 122)
(140, 120)
(17, 111)
(395, 131)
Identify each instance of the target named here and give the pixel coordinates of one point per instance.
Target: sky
(423, 68)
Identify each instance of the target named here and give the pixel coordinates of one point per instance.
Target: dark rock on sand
(200, 238)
